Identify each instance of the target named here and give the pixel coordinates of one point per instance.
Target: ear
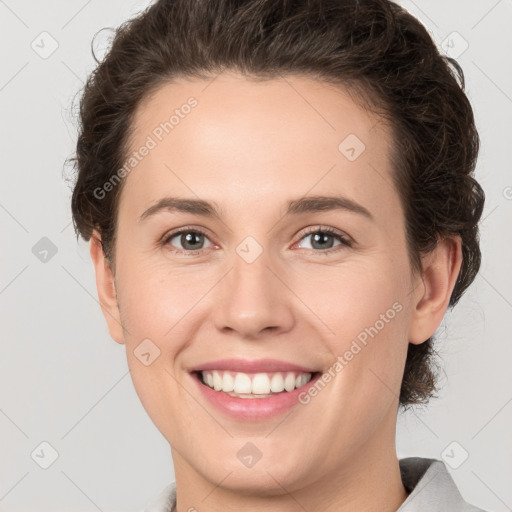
(432, 290)
(105, 286)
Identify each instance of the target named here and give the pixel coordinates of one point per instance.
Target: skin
(251, 147)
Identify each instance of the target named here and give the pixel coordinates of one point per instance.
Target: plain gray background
(66, 383)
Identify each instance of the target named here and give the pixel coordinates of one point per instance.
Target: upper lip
(252, 366)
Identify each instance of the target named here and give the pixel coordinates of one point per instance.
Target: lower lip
(253, 408)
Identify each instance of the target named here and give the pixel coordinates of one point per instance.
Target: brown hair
(371, 47)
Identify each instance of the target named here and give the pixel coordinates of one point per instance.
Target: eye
(322, 238)
(192, 240)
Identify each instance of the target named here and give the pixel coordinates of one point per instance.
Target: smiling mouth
(254, 385)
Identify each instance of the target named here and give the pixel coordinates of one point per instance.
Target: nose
(253, 300)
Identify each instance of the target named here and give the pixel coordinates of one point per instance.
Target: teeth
(277, 383)
(289, 382)
(254, 383)
(217, 381)
(228, 382)
(242, 383)
(260, 384)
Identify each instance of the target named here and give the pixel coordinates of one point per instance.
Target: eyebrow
(308, 204)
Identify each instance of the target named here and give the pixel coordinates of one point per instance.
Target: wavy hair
(373, 48)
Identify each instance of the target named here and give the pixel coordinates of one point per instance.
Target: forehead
(241, 140)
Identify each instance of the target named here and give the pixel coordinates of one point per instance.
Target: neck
(368, 481)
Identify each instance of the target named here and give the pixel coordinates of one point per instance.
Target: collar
(431, 487)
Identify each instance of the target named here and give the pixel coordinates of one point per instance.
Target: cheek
(365, 307)
(155, 300)
(159, 309)
(354, 296)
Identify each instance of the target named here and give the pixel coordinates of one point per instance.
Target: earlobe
(106, 289)
(441, 268)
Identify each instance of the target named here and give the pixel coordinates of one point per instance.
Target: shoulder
(431, 487)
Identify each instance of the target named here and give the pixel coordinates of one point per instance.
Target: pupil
(189, 238)
(318, 238)
(321, 237)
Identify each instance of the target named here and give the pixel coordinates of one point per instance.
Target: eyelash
(346, 242)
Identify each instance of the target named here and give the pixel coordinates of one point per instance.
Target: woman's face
(260, 279)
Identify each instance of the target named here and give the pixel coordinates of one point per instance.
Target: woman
(280, 203)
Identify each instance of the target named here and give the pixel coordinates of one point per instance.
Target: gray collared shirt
(431, 488)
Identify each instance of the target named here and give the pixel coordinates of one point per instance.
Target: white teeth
(250, 385)
(289, 382)
(260, 384)
(217, 381)
(277, 383)
(228, 382)
(300, 381)
(242, 383)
